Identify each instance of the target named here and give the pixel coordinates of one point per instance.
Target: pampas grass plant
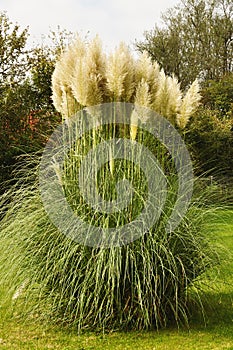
(140, 285)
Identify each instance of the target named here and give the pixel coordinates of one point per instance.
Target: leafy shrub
(210, 140)
(218, 95)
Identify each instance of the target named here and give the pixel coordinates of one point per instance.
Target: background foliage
(195, 40)
(26, 111)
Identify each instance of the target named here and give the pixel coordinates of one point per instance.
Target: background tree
(13, 53)
(195, 41)
(13, 68)
(218, 95)
(26, 111)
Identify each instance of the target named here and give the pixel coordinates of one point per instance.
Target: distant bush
(218, 96)
(210, 141)
(27, 114)
(23, 129)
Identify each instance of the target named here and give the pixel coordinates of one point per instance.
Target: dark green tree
(13, 52)
(218, 95)
(27, 115)
(195, 41)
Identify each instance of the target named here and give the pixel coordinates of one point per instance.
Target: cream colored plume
(175, 97)
(62, 96)
(146, 70)
(88, 78)
(57, 93)
(161, 98)
(120, 74)
(167, 99)
(189, 105)
(142, 99)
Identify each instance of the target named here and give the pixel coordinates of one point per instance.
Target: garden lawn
(216, 334)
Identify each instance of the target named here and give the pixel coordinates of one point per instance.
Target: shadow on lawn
(218, 313)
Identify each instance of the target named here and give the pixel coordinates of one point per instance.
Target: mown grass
(217, 333)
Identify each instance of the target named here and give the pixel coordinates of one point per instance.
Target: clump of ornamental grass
(139, 285)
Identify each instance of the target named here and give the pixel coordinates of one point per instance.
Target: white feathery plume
(161, 97)
(95, 70)
(57, 90)
(142, 95)
(62, 77)
(87, 83)
(77, 82)
(174, 98)
(147, 70)
(120, 74)
(142, 100)
(189, 104)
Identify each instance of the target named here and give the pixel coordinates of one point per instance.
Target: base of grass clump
(142, 285)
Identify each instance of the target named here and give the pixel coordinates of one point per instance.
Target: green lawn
(217, 334)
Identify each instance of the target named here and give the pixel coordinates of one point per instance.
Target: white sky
(113, 20)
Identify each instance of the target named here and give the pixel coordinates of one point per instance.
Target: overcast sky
(113, 20)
